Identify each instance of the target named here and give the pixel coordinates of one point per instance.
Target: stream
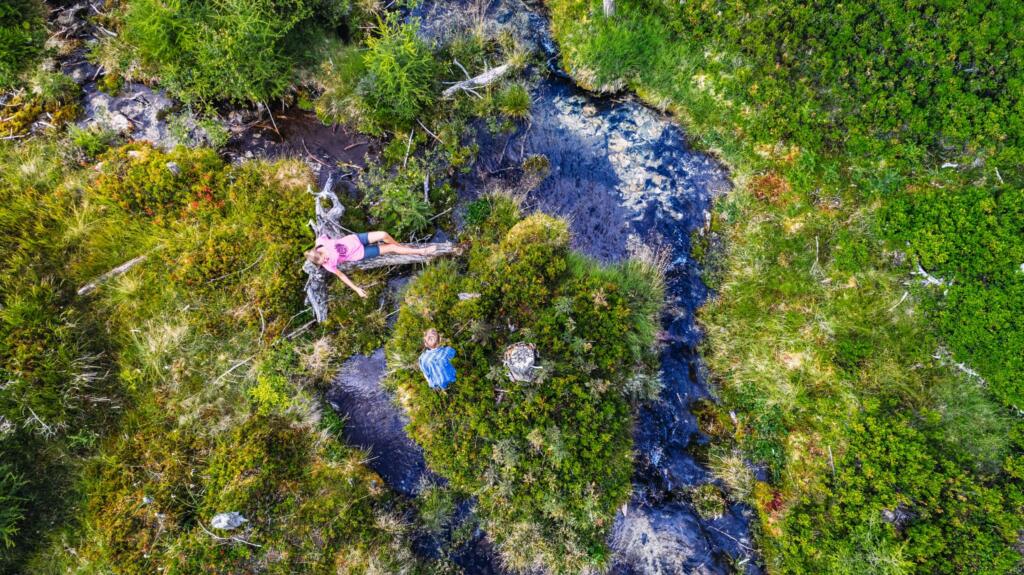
(622, 173)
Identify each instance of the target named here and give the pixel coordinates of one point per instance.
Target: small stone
(228, 521)
(173, 167)
(119, 123)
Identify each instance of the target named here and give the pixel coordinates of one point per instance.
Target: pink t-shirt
(346, 249)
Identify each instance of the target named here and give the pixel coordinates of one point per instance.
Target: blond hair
(431, 338)
(315, 256)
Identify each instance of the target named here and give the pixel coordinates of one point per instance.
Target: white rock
(228, 521)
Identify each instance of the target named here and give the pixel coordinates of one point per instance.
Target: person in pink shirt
(329, 253)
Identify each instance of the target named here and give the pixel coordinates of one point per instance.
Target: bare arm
(349, 283)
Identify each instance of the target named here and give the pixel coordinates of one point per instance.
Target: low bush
(237, 50)
(549, 461)
(22, 33)
(50, 93)
(898, 505)
(162, 186)
(973, 239)
(401, 71)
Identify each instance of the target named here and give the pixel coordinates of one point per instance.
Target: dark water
(374, 422)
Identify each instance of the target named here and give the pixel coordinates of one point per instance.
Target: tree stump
(520, 360)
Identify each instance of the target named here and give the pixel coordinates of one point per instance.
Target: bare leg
(379, 237)
(400, 249)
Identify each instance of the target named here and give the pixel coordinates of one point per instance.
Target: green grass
(835, 126)
(171, 394)
(549, 461)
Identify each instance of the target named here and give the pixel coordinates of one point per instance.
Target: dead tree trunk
(609, 8)
(327, 223)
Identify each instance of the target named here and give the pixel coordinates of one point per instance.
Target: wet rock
(667, 540)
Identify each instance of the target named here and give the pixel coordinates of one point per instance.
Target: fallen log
(119, 270)
(479, 81)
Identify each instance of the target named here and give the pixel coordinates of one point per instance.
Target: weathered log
(519, 361)
(328, 223)
(443, 249)
(609, 8)
(119, 270)
(478, 81)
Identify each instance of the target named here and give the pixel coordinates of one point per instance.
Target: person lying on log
(330, 253)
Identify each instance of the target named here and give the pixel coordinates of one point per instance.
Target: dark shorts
(368, 250)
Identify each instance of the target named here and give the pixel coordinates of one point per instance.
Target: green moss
(708, 501)
(549, 461)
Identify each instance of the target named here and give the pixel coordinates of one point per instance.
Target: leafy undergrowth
(132, 415)
(549, 461)
(864, 139)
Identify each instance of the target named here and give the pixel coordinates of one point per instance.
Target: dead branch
(119, 270)
(488, 77)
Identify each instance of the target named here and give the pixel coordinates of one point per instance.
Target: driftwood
(119, 270)
(479, 81)
(327, 223)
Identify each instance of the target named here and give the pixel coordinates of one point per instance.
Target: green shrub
(22, 33)
(162, 186)
(972, 237)
(396, 199)
(514, 101)
(900, 505)
(549, 461)
(340, 72)
(92, 141)
(238, 50)
(708, 501)
(400, 74)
